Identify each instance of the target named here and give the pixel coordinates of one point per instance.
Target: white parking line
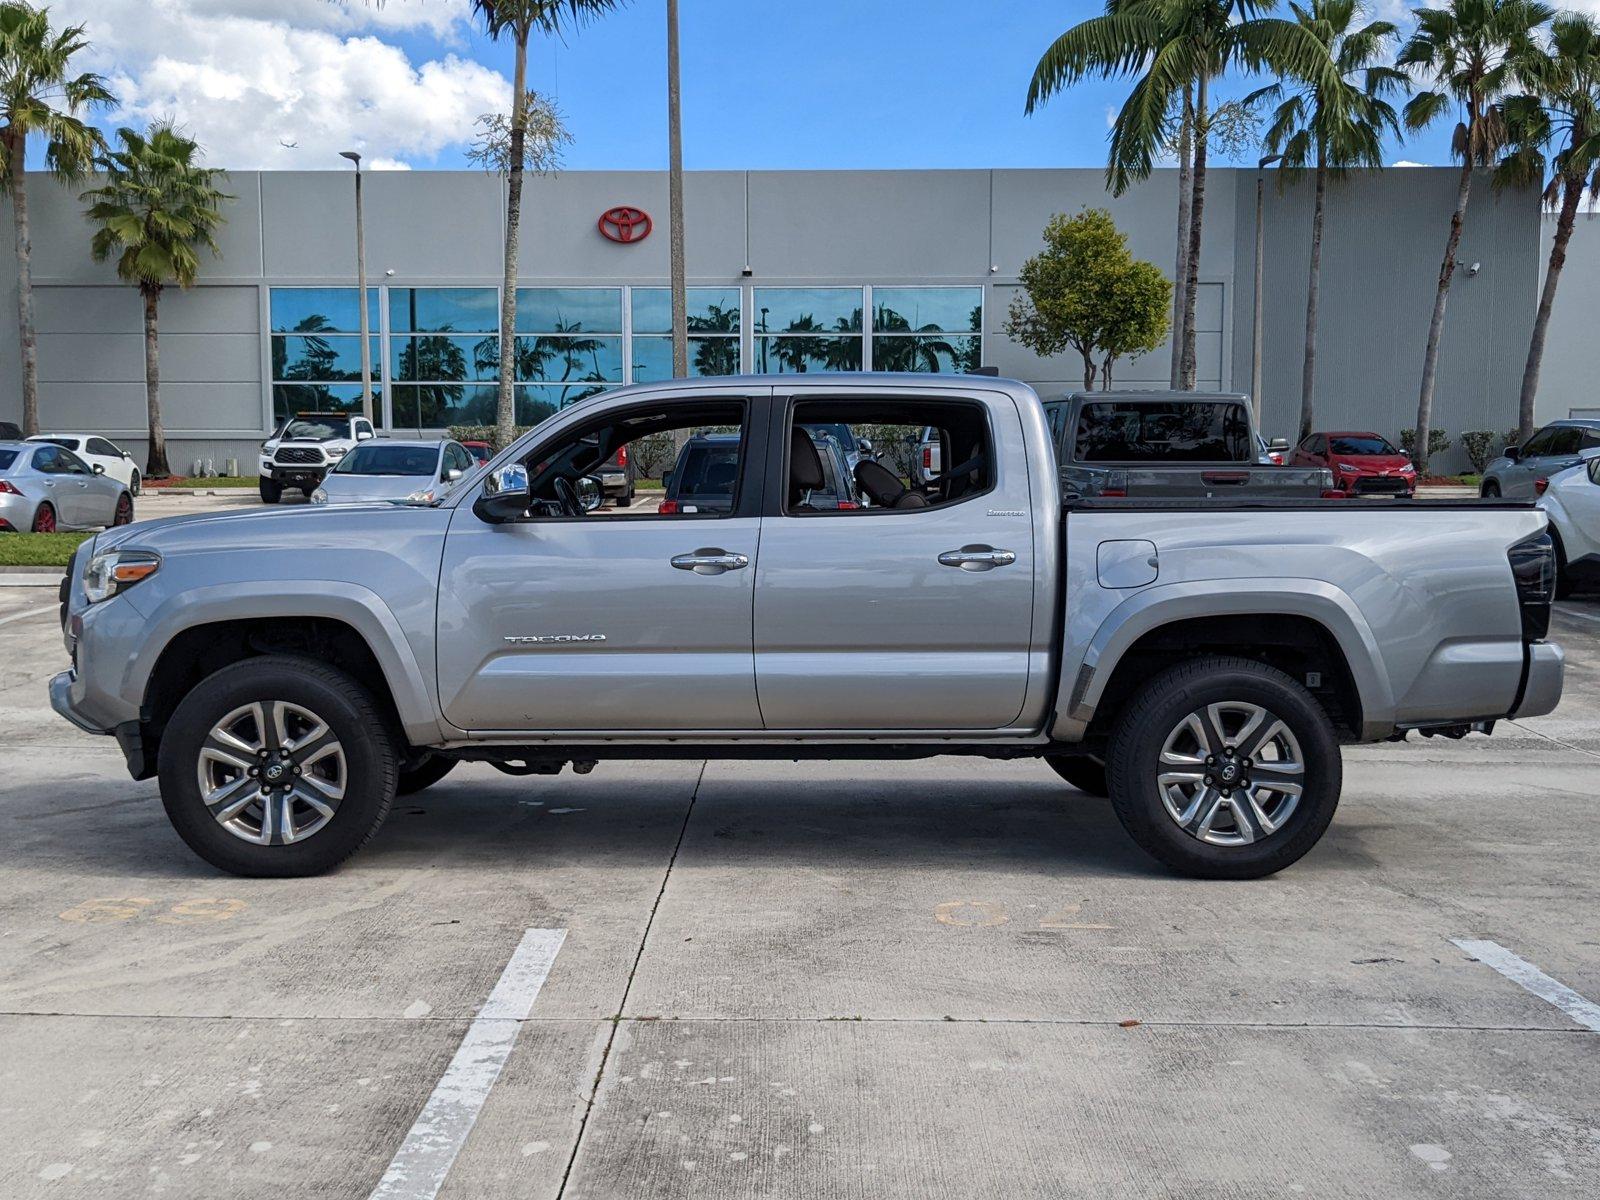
(418, 1169)
(1525, 975)
(32, 612)
(1566, 610)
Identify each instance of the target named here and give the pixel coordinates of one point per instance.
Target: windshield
(314, 430)
(1180, 431)
(389, 460)
(1362, 443)
(846, 436)
(707, 470)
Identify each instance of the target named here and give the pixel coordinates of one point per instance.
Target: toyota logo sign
(625, 224)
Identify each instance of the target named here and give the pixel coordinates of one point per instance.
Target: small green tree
(1086, 292)
(1479, 447)
(1438, 441)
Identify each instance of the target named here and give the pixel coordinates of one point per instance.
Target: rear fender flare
(1154, 607)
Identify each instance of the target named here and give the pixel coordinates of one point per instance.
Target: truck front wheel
(271, 490)
(1224, 768)
(277, 766)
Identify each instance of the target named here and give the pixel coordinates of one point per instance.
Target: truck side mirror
(589, 491)
(505, 495)
(363, 434)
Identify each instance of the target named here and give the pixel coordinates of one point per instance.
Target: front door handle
(977, 558)
(710, 560)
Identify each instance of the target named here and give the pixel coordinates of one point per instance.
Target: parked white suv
(100, 452)
(305, 447)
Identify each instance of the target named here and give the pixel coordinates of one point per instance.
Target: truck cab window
(866, 455)
(651, 463)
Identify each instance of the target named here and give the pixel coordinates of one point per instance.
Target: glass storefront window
(711, 310)
(444, 310)
(319, 359)
(807, 310)
(927, 310)
(923, 353)
(564, 359)
(535, 402)
(320, 310)
(789, 354)
(443, 358)
(291, 398)
(438, 405)
(569, 310)
(652, 357)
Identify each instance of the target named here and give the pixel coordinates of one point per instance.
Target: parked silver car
(1515, 475)
(419, 471)
(44, 488)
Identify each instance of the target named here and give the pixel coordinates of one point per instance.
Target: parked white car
(1572, 501)
(100, 452)
(416, 471)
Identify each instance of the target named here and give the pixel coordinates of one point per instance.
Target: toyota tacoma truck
(286, 672)
(303, 449)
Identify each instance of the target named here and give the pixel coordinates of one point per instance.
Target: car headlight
(114, 571)
(425, 496)
(1408, 469)
(320, 496)
(335, 455)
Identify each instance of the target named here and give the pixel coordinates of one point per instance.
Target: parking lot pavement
(943, 978)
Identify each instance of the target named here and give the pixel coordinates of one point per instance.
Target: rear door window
(1566, 440)
(102, 447)
(1177, 431)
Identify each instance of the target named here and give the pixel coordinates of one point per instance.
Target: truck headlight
(114, 571)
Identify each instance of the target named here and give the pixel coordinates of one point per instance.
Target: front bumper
(293, 475)
(67, 698)
(1542, 690)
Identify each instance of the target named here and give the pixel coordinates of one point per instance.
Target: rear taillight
(7, 488)
(667, 507)
(1539, 486)
(622, 457)
(848, 504)
(1115, 493)
(927, 458)
(1533, 569)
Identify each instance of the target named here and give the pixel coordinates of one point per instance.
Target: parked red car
(1363, 464)
(481, 451)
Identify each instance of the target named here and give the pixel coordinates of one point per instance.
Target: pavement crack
(1547, 737)
(627, 987)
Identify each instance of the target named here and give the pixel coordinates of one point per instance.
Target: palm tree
(1467, 51)
(1169, 46)
(519, 19)
(40, 95)
(156, 210)
(1331, 132)
(679, 289)
(1554, 127)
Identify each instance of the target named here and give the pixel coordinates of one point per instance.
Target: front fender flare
(358, 607)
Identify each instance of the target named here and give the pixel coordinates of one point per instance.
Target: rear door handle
(710, 560)
(977, 558)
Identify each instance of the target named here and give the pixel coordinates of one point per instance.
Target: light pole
(361, 294)
(1255, 336)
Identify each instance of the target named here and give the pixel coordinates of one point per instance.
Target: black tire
(123, 515)
(306, 491)
(135, 483)
(353, 718)
(424, 775)
(1157, 712)
(271, 490)
(1489, 491)
(1085, 774)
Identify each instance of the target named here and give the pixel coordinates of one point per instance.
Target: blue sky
(827, 84)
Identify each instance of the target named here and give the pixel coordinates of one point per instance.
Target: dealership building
(788, 272)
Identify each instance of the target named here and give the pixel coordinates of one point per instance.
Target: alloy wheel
(44, 519)
(1231, 773)
(272, 772)
(124, 513)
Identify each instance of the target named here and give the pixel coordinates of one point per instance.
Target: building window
(444, 355)
(316, 350)
(713, 332)
(927, 328)
(807, 329)
(569, 346)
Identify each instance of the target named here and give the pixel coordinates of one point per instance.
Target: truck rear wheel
(277, 766)
(1224, 768)
(1084, 773)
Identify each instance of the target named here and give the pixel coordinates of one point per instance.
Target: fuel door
(1128, 563)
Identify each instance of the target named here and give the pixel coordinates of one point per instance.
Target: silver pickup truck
(286, 672)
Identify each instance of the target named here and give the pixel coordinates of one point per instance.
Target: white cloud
(287, 84)
(1406, 162)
